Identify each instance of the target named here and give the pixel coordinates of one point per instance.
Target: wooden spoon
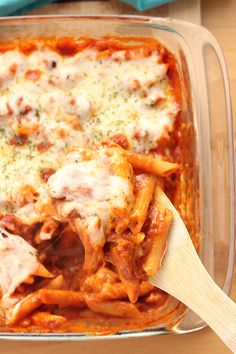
(183, 275)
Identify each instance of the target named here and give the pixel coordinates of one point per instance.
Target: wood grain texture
(186, 10)
(183, 9)
(200, 342)
(219, 17)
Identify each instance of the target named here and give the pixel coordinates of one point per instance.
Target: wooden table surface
(219, 17)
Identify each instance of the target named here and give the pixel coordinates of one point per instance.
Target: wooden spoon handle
(183, 275)
(195, 288)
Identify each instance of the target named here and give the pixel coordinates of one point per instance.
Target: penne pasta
(156, 236)
(123, 256)
(47, 320)
(55, 283)
(113, 308)
(23, 308)
(41, 271)
(146, 163)
(117, 291)
(144, 188)
(150, 164)
(62, 298)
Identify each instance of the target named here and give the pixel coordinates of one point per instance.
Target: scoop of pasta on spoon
(183, 275)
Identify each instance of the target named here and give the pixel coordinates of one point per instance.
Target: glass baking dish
(207, 184)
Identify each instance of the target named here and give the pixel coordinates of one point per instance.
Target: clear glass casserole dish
(207, 184)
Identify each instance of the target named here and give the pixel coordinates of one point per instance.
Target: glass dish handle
(222, 150)
(211, 93)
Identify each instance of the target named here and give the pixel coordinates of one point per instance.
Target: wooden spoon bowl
(183, 275)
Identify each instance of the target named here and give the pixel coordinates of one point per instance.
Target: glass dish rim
(163, 24)
(143, 18)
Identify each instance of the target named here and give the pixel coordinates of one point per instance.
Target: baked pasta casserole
(88, 129)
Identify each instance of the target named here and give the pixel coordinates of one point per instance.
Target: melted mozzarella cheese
(93, 191)
(18, 262)
(91, 186)
(77, 100)
(79, 106)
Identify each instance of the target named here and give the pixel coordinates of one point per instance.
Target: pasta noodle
(149, 164)
(62, 298)
(47, 320)
(144, 187)
(156, 238)
(117, 308)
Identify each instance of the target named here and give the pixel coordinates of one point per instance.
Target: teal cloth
(142, 5)
(20, 7)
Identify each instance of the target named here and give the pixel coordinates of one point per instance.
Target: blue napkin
(142, 5)
(20, 7)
